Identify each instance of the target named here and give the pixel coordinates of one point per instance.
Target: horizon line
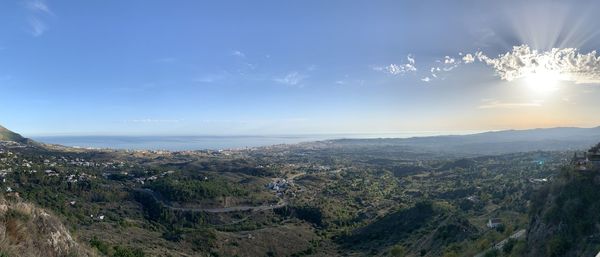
(414, 132)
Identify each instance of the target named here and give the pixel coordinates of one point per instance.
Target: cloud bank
(566, 63)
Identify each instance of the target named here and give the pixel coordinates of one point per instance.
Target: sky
(149, 67)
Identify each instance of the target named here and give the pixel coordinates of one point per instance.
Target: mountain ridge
(7, 135)
(493, 142)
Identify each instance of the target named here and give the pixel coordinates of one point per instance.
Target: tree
(398, 251)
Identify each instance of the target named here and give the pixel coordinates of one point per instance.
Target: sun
(543, 81)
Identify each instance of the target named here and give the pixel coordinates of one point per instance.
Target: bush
(492, 253)
(103, 247)
(557, 246)
(121, 251)
(508, 247)
(398, 251)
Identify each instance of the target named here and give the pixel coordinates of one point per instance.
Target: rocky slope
(26, 230)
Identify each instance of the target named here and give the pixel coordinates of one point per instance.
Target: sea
(185, 143)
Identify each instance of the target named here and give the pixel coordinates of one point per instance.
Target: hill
(27, 230)
(7, 135)
(422, 230)
(565, 216)
(497, 142)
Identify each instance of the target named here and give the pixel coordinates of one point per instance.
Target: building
(593, 155)
(589, 160)
(494, 223)
(580, 162)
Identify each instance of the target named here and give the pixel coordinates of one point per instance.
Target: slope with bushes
(26, 230)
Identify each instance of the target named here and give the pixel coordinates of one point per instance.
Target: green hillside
(7, 135)
(565, 216)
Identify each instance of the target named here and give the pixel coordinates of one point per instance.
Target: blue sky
(293, 67)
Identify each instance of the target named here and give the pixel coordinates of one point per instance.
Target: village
(587, 161)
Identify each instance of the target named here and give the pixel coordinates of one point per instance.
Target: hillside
(26, 230)
(7, 135)
(565, 216)
(422, 230)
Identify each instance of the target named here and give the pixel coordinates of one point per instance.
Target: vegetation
(186, 190)
(569, 209)
(300, 200)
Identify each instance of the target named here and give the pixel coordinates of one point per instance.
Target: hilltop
(7, 135)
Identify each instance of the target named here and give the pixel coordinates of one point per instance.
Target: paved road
(213, 210)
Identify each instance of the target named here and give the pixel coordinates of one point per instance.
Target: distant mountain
(7, 135)
(497, 142)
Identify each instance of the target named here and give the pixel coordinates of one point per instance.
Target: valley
(326, 198)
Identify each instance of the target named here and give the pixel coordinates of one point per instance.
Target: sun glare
(543, 81)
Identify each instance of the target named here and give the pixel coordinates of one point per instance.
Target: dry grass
(26, 230)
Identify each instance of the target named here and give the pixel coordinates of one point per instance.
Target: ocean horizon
(211, 142)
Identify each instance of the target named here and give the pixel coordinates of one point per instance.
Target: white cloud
(38, 6)
(426, 79)
(293, 78)
(410, 59)
(568, 64)
(399, 69)
(238, 54)
(38, 27)
(564, 64)
(468, 58)
(445, 65)
(37, 10)
(393, 69)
